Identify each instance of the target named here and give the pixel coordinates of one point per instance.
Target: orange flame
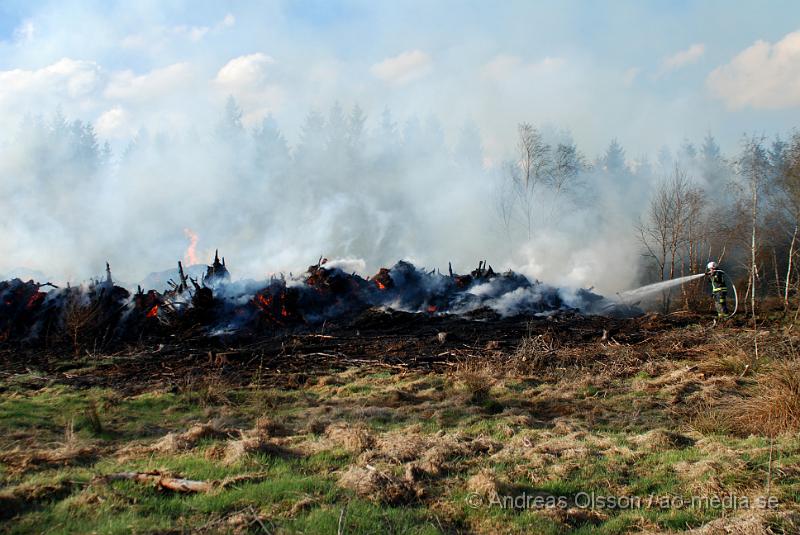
(431, 309)
(380, 286)
(35, 299)
(153, 312)
(190, 257)
(264, 301)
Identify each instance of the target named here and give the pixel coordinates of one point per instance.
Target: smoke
(362, 199)
(363, 156)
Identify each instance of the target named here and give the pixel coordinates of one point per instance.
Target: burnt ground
(377, 338)
(409, 423)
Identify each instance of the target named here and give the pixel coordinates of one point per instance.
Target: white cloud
(114, 123)
(504, 67)
(125, 85)
(228, 22)
(247, 79)
(64, 78)
(244, 72)
(404, 67)
(193, 33)
(160, 38)
(683, 58)
(501, 67)
(762, 76)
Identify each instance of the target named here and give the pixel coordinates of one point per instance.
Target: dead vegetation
(752, 523)
(773, 407)
(175, 442)
(379, 486)
(485, 484)
(667, 411)
(354, 438)
(18, 498)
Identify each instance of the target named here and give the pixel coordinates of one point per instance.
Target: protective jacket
(717, 279)
(719, 291)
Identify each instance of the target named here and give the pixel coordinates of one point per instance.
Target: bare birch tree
(788, 186)
(533, 165)
(753, 169)
(672, 224)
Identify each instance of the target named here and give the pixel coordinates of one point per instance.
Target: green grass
(601, 456)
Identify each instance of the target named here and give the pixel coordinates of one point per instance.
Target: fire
(153, 312)
(431, 309)
(190, 257)
(264, 301)
(35, 299)
(380, 285)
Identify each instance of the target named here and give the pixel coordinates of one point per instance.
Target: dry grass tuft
(174, 442)
(436, 460)
(241, 449)
(303, 504)
(720, 471)
(575, 517)
(483, 445)
(237, 450)
(730, 360)
(661, 439)
(14, 500)
(485, 484)
(708, 419)
(328, 380)
(379, 486)
(68, 454)
(403, 446)
(704, 477)
(774, 406)
(355, 438)
(476, 380)
(209, 390)
(316, 426)
(752, 523)
(266, 426)
(215, 452)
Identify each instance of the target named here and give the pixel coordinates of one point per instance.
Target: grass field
(519, 444)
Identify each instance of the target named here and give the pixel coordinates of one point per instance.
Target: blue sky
(648, 73)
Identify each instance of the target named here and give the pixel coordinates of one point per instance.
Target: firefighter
(719, 290)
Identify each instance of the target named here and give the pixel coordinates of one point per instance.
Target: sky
(647, 73)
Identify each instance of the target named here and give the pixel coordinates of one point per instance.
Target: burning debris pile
(217, 306)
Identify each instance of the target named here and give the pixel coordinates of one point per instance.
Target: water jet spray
(664, 285)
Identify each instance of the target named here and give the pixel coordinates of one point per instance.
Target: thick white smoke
(353, 187)
(421, 182)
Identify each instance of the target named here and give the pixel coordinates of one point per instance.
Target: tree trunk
(775, 266)
(753, 251)
(789, 271)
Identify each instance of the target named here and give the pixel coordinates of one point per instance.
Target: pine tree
(614, 158)
(468, 150)
(230, 128)
(271, 149)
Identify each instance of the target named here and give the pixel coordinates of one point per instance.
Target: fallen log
(158, 480)
(176, 484)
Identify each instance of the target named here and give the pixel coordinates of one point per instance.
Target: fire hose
(735, 296)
